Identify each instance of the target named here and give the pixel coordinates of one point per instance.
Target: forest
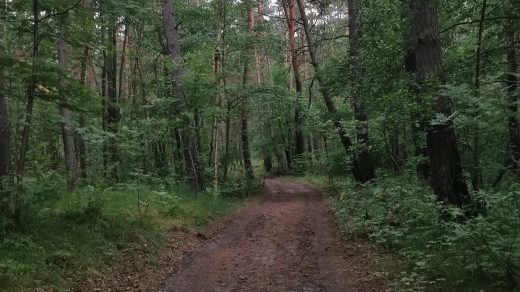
(124, 123)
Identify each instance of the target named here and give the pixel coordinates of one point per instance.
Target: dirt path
(285, 242)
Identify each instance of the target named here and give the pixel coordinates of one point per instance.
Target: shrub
(442, 250)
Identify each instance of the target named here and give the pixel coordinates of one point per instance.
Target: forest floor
(283, 240)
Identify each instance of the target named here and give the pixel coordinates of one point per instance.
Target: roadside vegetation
(69, 237)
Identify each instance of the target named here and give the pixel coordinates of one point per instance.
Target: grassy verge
(73, 236)
(440, 251)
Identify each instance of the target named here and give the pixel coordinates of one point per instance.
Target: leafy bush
(443, 251)
(240, 187)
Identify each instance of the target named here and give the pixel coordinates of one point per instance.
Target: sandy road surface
(286, 241)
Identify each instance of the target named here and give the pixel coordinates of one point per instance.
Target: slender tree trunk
(244, 128)
(329, 102)
(113, 115)
(227, 141)
(124, 61)
(512, 90)
(283, 168)
(177, 154)
(363, 163)
(104, 111)
(218, 76)
(30, 91)
(476, 174)
(447, 179)
(82, 123)
(298, 116)
(5, 131)
(191, 158)
(69, 150)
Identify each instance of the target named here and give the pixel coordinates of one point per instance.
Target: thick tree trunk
(191, 158)
(329, 103)
(363, 163)
(512, 92)
(447, 179)
(69, 150)
(298, 117)
(244, 127)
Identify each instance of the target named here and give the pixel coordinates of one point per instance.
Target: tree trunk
(363, 163)
(283, 167)
(5, 132)
(227, 141)
(191, 158)
(218, 56)
(69, 150)
(298, 117)
(447, 180)
(177, 154)
(113, 115)
(82, 123)
(123, 63)
(244, 128)
(30, 91)
(512, 91)
(476, 173)
(329, 102)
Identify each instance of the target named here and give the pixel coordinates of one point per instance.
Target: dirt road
(286, 241)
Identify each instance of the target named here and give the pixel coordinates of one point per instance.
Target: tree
(5, 132)
(288, 7)
(363, 163)
(193, 167)
(446, 170)
(67, 132)
(329, 102)
(244, 127)
(512, 85)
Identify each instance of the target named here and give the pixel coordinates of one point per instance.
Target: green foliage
(240, 187)
(68, 237)
(443, 251)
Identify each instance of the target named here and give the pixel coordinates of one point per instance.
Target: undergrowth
(443, 252)
(67, 237)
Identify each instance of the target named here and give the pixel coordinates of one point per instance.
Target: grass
(70, 236)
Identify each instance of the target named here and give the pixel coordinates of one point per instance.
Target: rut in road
(286, 241)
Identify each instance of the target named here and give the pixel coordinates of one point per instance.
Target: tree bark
(5, 131)
(244, 127)
(113, 115)
(363, 163)
(30, 91)
(512, 91)
(191, 158)
(298, 117)
(476, 173)
(82, 123)
(227, 141)
(218, 56)
(447, 180)
(329, 102)
(67, 133)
